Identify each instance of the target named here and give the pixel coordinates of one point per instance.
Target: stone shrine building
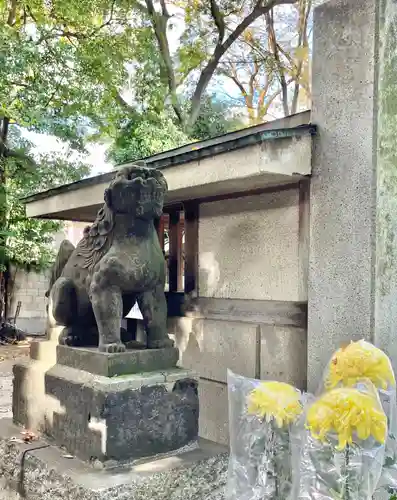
(281, 237)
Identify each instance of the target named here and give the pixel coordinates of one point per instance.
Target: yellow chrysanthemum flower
(346, 411)
(275, 401)
(358, 361)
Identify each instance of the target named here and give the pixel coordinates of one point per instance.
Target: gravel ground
(9, 354)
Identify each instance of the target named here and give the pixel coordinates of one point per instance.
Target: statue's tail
(65, 251)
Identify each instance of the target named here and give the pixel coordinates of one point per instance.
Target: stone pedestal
(98, 407)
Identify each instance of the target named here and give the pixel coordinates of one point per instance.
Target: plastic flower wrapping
(359, 361)
(343, 447)
(264, 438)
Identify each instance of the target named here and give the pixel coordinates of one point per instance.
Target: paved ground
(8, 355)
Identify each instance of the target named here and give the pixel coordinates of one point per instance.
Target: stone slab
(45, 473)
(211, 347)
(214, 411)
(120, 418)
(283, 355)
(115, 364)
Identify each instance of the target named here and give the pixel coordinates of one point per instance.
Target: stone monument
(84, 389)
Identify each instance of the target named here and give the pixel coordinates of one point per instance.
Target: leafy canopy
(28, 243)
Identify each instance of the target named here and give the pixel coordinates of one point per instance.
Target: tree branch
(159, 23)
(73, 34)
(262, 95)
(265, 109)
(280, 69)
(4, 125)
(19, 84)
(220, 50)
(20, 156)
(12, 13)
(304, 12)
(124, 103)
(238, 83)
(164, 9)
(219, 20)
(253, 77)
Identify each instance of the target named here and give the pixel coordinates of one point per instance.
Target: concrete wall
(249, 248)
(29, 288)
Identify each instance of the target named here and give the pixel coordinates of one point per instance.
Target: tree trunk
(4, 123)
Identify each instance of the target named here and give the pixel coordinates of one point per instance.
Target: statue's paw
(66, 338)
(111, 348)
(160, 344)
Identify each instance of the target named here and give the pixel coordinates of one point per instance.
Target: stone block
(41, 350)
(116, 364)
(284, 355)
(211, 347)
(193, 473)
(122, 418)
(31, 406)
(214, 422)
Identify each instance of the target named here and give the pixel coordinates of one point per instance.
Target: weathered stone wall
(249, 248)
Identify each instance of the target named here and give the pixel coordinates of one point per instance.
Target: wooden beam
(191, 246)
(268, 312)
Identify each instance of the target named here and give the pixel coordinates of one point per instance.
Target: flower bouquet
(358, 361)
(262, 418)
(344, 444)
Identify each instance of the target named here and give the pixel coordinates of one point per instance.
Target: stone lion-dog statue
(117, 263)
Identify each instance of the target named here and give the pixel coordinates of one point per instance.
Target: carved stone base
(122, 418)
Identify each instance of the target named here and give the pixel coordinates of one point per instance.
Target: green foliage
(149, 133)
(28, 241)
(145, 137)
(213, 120)
(63, 64)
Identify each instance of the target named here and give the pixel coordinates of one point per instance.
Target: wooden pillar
(175, 250)
(160, 227)
(191, 246)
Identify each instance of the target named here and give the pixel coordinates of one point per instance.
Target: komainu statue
(119, 261)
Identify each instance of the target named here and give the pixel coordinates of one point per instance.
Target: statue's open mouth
(142, 175)
(137, 190)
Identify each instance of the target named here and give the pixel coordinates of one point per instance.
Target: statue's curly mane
(97, 238)
(65, 251)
